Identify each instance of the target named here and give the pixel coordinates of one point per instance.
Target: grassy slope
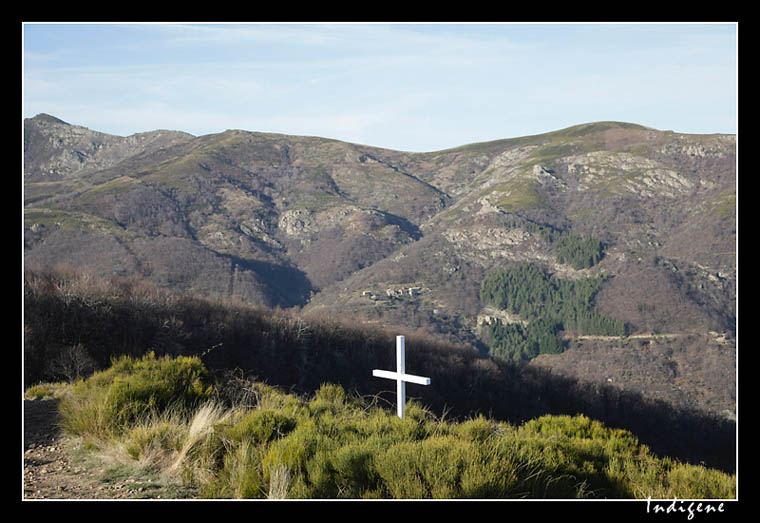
(249, 440)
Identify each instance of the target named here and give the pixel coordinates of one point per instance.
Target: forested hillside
(548, 305)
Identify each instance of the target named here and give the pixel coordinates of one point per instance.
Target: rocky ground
(57, 468)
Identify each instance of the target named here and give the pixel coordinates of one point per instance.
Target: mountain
(407, 239)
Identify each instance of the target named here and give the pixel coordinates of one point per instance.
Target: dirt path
(49, 470)
(56, 468)
(629, 337)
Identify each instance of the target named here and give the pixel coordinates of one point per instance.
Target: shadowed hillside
(75, 324)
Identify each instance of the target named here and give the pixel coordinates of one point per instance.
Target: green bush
(111, 400)
(346, 471)
(162, 436)
(329, 398)
(259, 426)
(293, 451)
(698, 482)
(438, 467)
(497, 471)
(240, 476)
(478, 429)
(354, 471)
(397, 467)
(38, 392)
(611, 462)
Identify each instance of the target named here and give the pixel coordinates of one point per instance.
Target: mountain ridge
(321, 225)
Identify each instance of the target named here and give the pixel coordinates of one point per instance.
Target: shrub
(581, 427)
(111, 400)
(259, 426)
(698, 482)
(547, 470)
(159, 436)
(398, 471)
(442, 462)
(240, 476)
(496, 472)
(435, 467)
(293, 450)
(477, 430)
(203, 447)
(38, 392)
(353, 470)
(329, 398)
(665, 478)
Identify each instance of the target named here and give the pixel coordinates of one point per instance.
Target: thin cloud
(449, 83)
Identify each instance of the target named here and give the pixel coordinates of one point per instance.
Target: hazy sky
(410, 87)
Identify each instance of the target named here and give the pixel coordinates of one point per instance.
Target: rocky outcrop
(54, 149)
(625, 173)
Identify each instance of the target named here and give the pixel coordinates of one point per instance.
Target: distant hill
(395, 238)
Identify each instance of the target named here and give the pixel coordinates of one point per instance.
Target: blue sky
(410, 87)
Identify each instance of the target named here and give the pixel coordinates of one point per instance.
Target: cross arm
(410, 378)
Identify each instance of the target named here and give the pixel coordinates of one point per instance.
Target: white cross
(400, 376)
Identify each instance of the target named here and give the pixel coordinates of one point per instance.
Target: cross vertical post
(401, 376)
(400, 370)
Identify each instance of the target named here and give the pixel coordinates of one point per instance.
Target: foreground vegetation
(234, 438)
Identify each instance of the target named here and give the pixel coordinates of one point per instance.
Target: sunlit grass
(332, 445)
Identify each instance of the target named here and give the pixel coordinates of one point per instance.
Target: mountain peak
(44, 117)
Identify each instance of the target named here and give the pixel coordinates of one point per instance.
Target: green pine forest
(549, 305)
(578, 251)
